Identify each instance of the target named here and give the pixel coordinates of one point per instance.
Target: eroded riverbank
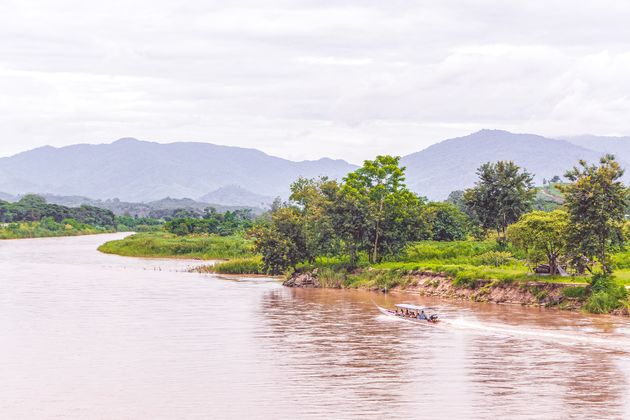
(566, 296)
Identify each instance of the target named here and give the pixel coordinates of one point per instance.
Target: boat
(410, 312)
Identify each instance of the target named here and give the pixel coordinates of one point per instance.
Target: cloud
(305, 78)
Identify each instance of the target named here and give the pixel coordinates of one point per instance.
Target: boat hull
(391, 313)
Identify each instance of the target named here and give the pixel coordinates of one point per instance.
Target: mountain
(7, 197)
(135, 170)
(235, 195)
(618, 146)
(451, 164)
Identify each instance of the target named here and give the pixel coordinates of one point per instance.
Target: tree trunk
(376, 235)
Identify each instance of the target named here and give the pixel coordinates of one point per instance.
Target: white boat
(411, 312)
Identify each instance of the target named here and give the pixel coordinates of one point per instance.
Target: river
(88, 335)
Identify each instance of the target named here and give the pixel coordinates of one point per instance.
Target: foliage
(501, 195)
(33, 208)
(282, 243)
(542, 235)
(494, 258)
(382, 214)
(47, 227)
(250, 265)
(596, 201)
(137, 224)
(314, 199)
(460, 251)
(160, 244)
(445, 222)
(224, 224)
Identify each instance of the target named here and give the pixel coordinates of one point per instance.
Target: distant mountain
(235, 195)
(134, 170)
(618, 146)
(452, 164)
(7, 197)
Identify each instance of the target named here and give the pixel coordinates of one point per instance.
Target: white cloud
(305, 78)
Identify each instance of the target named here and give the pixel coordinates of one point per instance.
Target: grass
(250, 265)
(161, 244)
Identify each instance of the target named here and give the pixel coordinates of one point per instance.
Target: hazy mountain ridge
(452, 164)
(134, 170)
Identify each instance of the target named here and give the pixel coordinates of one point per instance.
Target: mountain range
(134, 170)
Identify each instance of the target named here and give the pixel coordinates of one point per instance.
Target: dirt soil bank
(531, 293)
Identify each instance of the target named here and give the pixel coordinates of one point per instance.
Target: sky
(304, 79)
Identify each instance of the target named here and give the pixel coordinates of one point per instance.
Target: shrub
(251, 265)
(494, 258)
(606, 295)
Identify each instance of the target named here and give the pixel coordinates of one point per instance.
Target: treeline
(371, 213)
(210, 222)
(34, 208)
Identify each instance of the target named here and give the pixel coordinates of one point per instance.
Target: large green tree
(596, 200)
(542, 235)
(501, 195)
(282, 242)
(445, 222)
(314, 199)
(382, 211)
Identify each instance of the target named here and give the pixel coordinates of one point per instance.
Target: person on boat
(422, 315)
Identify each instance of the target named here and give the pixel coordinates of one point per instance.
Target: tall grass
(250, 265)
(160, 244)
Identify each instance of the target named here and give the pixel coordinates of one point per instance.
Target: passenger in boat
(422, 315)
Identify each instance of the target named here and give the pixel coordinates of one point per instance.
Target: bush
(606, 295)
(494, 258)
(251, 265)
(575, 292)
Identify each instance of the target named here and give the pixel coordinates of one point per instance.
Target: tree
(542, 235)
(445, 222)
(380, 205)
(501, 195)
(314, 199)
(282, 243)
(596, 201)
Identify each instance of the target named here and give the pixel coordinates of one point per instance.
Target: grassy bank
(47, 229)
(160, 244)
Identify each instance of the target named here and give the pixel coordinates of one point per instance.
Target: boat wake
(614, 343)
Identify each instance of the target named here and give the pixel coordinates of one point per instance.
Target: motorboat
(411, 312)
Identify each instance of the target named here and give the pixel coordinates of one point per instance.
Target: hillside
(134, 170)
(451, 164)
(234, 195)
(618, 146)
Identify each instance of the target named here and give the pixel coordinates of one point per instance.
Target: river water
(88, 335)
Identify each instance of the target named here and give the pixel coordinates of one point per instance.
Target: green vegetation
(138, 224)
(32, 217)
(251, 265)
(47, 227)
(501, 196)
(33, 208)
(224, 224)
(369, 230)
(162, 244)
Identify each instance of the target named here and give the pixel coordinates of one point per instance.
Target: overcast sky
(304, 79)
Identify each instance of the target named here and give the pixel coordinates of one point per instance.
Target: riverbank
(27, 230)
(167, 245)
(548, 294)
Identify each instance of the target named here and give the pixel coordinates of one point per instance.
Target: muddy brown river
(88, 335)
